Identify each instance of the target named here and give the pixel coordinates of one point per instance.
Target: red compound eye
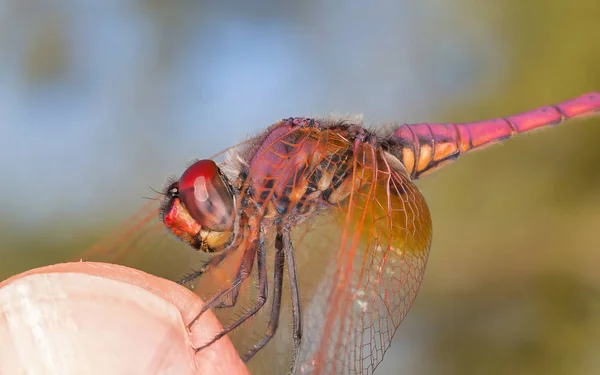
(206, 196)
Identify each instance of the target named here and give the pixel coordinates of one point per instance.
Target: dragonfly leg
(288, 249)
(212, 262)
(241, 275)
(215, 262)
(261, 297)
(276, 305)
(243, 272)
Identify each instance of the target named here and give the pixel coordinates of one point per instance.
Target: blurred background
(100, 102)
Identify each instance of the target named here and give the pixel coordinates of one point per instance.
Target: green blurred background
(101, 101)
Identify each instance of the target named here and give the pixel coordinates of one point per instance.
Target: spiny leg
(212, 262)
(288, 250)
(243, 272)
(276, 305)
(261, 296)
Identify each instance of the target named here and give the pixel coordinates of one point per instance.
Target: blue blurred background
(99, 101)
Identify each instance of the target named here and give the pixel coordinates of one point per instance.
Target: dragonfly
(315, 235)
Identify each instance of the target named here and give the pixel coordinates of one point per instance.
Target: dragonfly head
(200, 207)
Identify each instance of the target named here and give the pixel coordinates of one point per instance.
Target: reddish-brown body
(337, 198)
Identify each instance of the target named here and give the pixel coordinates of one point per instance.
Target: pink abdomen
(426, 147)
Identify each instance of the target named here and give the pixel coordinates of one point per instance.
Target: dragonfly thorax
(298, 167)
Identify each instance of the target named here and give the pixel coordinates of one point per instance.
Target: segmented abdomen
(426, 147)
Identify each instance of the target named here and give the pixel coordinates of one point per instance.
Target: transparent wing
(370, 269)
(360, 265)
